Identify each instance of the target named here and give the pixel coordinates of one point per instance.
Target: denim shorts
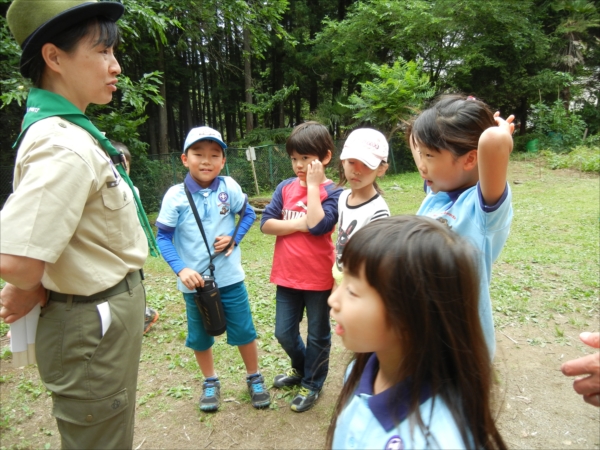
(240, 328)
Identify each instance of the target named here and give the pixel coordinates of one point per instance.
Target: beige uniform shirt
(71, 209)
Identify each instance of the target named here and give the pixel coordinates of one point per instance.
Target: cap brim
(208, 138)
(372, 163)
(111, 10)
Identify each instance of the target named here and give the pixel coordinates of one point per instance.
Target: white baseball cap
(367, 145)
(202, 133)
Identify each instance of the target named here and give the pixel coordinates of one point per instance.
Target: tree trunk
(248, 79)
(163, 133)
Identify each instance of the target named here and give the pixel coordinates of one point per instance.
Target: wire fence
(155, 174)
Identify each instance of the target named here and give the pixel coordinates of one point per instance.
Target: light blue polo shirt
(216, 206)
(486, 227)
(368, 421)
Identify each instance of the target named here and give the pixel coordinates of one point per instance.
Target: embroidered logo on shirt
(223, 197)
(224, 210)
(395, 443)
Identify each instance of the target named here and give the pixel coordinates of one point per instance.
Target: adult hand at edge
(16, 303)
(589, 386)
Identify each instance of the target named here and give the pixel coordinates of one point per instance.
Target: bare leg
(249, 354)
(206, 362)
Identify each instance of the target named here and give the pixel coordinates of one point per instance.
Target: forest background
(254, 69)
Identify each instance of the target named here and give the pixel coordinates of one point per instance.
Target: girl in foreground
(407, 306)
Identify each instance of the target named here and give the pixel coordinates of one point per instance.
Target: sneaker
(259, 395)
(211, 394)
(150, 318)
(290, 378)
(304, 400)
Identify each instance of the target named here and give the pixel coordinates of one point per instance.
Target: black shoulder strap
(199, 222)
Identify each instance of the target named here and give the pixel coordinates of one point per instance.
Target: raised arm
(314, 177)
(493, 152)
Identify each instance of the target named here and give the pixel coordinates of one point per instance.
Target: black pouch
(208, 301)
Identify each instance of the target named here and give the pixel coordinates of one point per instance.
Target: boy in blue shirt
(217, 199)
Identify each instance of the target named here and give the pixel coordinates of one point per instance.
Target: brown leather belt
(131, 280)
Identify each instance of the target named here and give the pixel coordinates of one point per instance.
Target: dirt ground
(537, 407)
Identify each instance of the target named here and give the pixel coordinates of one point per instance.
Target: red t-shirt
(303, 260)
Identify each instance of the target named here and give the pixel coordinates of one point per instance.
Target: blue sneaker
(259, 395)
(211, 394)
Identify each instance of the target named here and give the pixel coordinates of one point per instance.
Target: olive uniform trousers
(93, 378)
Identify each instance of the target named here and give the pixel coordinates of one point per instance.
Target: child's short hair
(310, 138)
(454, 123)
(427, 278)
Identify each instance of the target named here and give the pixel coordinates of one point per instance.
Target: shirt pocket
(120, 215)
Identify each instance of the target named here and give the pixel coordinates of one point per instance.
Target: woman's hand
(16, 303)
(589, 365)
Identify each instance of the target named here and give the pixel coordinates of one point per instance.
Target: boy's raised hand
(190, 278)
(315, 174)
(221, 242)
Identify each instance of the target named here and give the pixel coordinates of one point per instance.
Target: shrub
(557, 129)
(583, 157)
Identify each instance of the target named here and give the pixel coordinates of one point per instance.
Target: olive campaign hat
(34, 22)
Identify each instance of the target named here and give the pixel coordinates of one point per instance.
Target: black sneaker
(259, 395)
(304, 400)
(211, 394)
(150, 318)
(290, 378)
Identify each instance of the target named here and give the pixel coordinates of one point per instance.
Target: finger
(591, 339)
(587, 386)
(510, 118)
(592, 399)
(579, 366)
(497, 114)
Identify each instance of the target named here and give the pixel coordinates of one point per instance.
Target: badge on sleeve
(395, 443)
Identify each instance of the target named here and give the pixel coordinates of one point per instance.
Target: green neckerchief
(42, 104)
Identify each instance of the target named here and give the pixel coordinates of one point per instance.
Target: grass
(547, 277)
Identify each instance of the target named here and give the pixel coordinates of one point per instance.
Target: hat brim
(111, 10)
(207, 138)
(369, 160)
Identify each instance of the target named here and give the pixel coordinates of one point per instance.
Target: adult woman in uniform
(71, 239)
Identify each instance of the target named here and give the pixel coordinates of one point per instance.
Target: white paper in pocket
(105, 317)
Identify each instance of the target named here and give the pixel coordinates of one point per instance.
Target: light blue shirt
(486, 227)
(368, 421)
(216, 206)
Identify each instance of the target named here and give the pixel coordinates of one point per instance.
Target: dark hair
(427, 278)
(343, 179)
(104, 30)
(122, 148)
(310, 138)
(454, 123)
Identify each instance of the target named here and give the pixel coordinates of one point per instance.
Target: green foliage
(583, 157)
(395, 94)
(557, 128)
(263, 136)
(122, 120)
(265, 102)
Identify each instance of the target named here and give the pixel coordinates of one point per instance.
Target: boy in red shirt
(302, 214)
